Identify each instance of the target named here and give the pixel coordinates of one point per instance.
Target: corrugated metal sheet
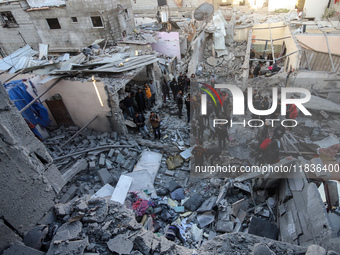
(17, 59)
(319, 61)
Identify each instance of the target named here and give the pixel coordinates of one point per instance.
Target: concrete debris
(8, 236)
(19, 248)
(120, 245)
(122, 188)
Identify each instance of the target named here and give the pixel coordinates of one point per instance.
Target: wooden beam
(88, 123)
(38, 97)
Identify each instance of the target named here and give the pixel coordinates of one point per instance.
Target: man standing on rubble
(155, 122)
(139, 120)
(199, 153)
(148, 95)
(140, 99)
(165, 90)
(153, 93)
(257, 70)
(173, 87)
(222, 134)
(179, 102)
(180, 78)
(193, 81)
(187, 105)
(129, 104)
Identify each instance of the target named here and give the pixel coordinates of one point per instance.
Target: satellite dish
(204, 12)
(120, 9)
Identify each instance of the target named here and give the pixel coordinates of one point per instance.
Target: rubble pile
(99, 226)
(228, 64)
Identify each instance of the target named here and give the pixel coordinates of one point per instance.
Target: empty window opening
(74, 19)
(8, 20)
(126, 13)
(53, 23)
(97, 21)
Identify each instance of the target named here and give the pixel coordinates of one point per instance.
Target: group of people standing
(136, 104)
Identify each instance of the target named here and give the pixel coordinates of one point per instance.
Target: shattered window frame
(8, 20)
(54, 25)
(126, 14)
(97, 25)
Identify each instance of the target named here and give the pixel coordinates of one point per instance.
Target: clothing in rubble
(142, 207)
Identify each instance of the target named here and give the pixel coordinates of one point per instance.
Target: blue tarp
(36, 114)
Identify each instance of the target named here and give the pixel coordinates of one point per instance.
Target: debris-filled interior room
(169, 127)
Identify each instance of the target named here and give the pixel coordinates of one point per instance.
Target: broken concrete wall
(116, 115)
(82, 103)
(14, 37)
(168, 44)
(300, 206)
(197, 52)
(315, 8)
(28, 180)
(261, 33)
(74, 35)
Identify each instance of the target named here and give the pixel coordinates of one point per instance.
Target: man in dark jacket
(179, 102)
(139, 120)
(165, 90)
(222, 135)
(187, 104)
(180, 78)
(140, 99)
(173, 87)
(129, 104)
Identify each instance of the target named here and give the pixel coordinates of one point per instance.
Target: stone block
(225, 226)
(79, 166)
(7, 236)
(19, 248)
(92, 165)
(104, 176)
(122, 188)
(102, 161)
(105, 191)
(68, 195)
(120, 244)
(263, 228)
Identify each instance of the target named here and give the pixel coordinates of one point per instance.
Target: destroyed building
(79, 177)
(63, 25)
